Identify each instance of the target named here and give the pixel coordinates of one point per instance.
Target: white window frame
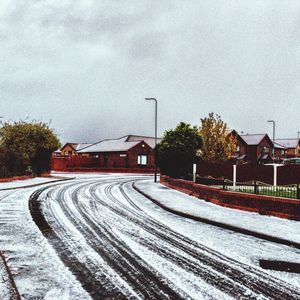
(266, 149)
(142, 159)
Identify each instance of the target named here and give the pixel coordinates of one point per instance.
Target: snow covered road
(119, 245)
(99, 238)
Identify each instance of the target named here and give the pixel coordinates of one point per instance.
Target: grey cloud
(88, 65)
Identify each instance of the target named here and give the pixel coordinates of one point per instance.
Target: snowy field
(97, 237)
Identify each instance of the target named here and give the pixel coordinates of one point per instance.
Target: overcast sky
(88, 65)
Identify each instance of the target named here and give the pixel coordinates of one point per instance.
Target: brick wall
(90, 164)
(266, 205)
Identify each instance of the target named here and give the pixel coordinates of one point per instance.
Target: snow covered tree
(32, 143)
(178, 150)
(218, 143)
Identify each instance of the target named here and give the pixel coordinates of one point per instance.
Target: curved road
(118, 251)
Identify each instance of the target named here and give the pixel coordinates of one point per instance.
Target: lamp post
(273, 150)
(297, 149)
(155, 150)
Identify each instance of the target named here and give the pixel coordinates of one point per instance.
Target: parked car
(292, 161)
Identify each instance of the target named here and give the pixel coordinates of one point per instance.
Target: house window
(266, 149)
(238, 148)
(282, 151)
(142, 160)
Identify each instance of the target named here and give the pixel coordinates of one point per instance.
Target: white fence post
(234, 177)
(275, 175)
(194, 172)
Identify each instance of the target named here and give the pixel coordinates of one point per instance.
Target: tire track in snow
(228, 275)
(141, 276)
(247, 276)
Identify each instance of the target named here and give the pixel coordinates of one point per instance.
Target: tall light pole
(273, 150)
(297, 149)
(155, 150)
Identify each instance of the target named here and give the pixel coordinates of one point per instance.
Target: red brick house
(291, 146)
(254, 148)
(280, 151)
(128, 152)
(70, 149)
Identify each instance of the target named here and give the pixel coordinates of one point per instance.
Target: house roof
(111, 145)
(253, 139)
(279, 146)
(229, 131)
(287, 143)
(81, 146)
(147, 139)
(75, 146)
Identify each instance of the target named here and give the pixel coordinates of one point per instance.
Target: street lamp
(155, 150)
(273, 150)
(297, 149)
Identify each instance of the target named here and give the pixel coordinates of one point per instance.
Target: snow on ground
(182, 279)
(6, 292)
(273, 226)
(37, 271)
(246, 249)
(26, 182)
(91, 175)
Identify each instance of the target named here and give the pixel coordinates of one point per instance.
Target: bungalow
(130, 151)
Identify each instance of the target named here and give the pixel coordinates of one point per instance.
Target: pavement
(269, 228)
(32, 182)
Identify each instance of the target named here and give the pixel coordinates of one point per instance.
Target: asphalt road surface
(117, 250)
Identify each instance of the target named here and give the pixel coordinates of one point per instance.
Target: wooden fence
(289, 174)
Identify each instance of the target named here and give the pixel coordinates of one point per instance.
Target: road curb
(219, 224)
(38, 184)
(15, 295)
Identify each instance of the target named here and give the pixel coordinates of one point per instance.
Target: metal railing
(260, 188)
(253, 187)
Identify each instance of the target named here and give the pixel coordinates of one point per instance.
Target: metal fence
(260, 188)
(253, 187)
